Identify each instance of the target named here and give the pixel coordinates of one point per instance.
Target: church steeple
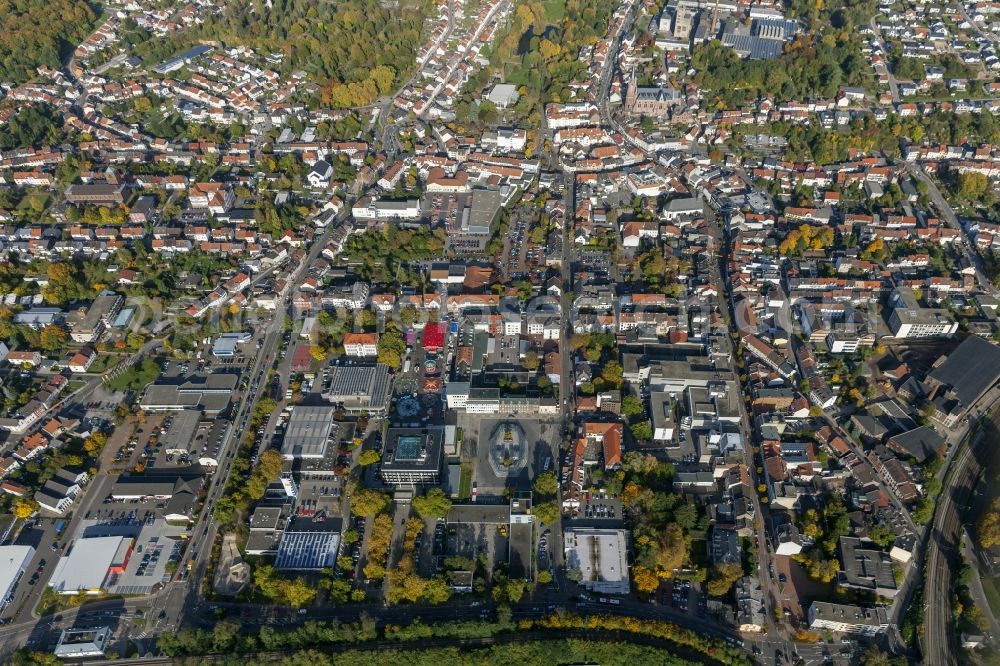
(631, 91)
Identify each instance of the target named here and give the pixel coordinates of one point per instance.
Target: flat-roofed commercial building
(309, 544)
(308, 432)
(469, 230)
(211, 395)
(82, 643)
(413, 456)
(601, 556)
(961, 380)
(226, 344)
(909, 319)
(90, 563)
(360, 388)
(14, 561)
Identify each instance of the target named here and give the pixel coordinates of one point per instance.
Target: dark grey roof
(755, 48)
(970, 370)
(865, 568)
(919, 442)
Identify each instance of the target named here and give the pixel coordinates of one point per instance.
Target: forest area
(23, 47)
(357, 49)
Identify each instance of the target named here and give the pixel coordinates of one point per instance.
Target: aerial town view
(500, 332)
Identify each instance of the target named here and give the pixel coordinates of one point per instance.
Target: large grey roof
(920, 442)
(970, 370)
(308, 432)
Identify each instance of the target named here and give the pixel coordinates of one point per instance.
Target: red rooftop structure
(434, 336)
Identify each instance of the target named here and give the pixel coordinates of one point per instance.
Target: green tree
(672, 551)
(642, 430)
(686, 515)
(881, 535)
(548, 513)
(972, 186)
(546, 484)
(433, 504)
(298, 592)
(613, 374)
(722, 579)
(24, 507)
(369, 457)
(270, 464)
(923, 511)
(632, 407)
(52, 337)
(368, 503)
(224, 635)
(383, 76)
(339, 590)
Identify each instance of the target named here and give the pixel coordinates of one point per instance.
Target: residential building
(909, 319)
(361, 344)
(847, 619)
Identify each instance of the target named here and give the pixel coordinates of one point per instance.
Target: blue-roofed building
(181, 59)
(123, 318)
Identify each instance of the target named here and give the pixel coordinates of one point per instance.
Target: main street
(765, 571)
(948, 213)
(893, 87)
(204, 531)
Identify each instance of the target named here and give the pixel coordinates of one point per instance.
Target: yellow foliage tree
(988, 527)
(549, 50)
(25, 507)
(645, 580)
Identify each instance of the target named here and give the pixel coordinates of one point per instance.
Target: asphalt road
(204, 532)
(948, 214)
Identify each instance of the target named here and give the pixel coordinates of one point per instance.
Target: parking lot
(684, 596)
(474, 539)
(507, 349)
(320, 495)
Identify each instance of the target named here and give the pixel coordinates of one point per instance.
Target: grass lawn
(517, 75)
(53, 602)
(555, 10)
(136, 377)
(465, 482)
(105, 362)
(992, 594)
(34, 201)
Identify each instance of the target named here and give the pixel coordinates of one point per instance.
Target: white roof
(12, 560)
(600, 554)
(86, 566)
